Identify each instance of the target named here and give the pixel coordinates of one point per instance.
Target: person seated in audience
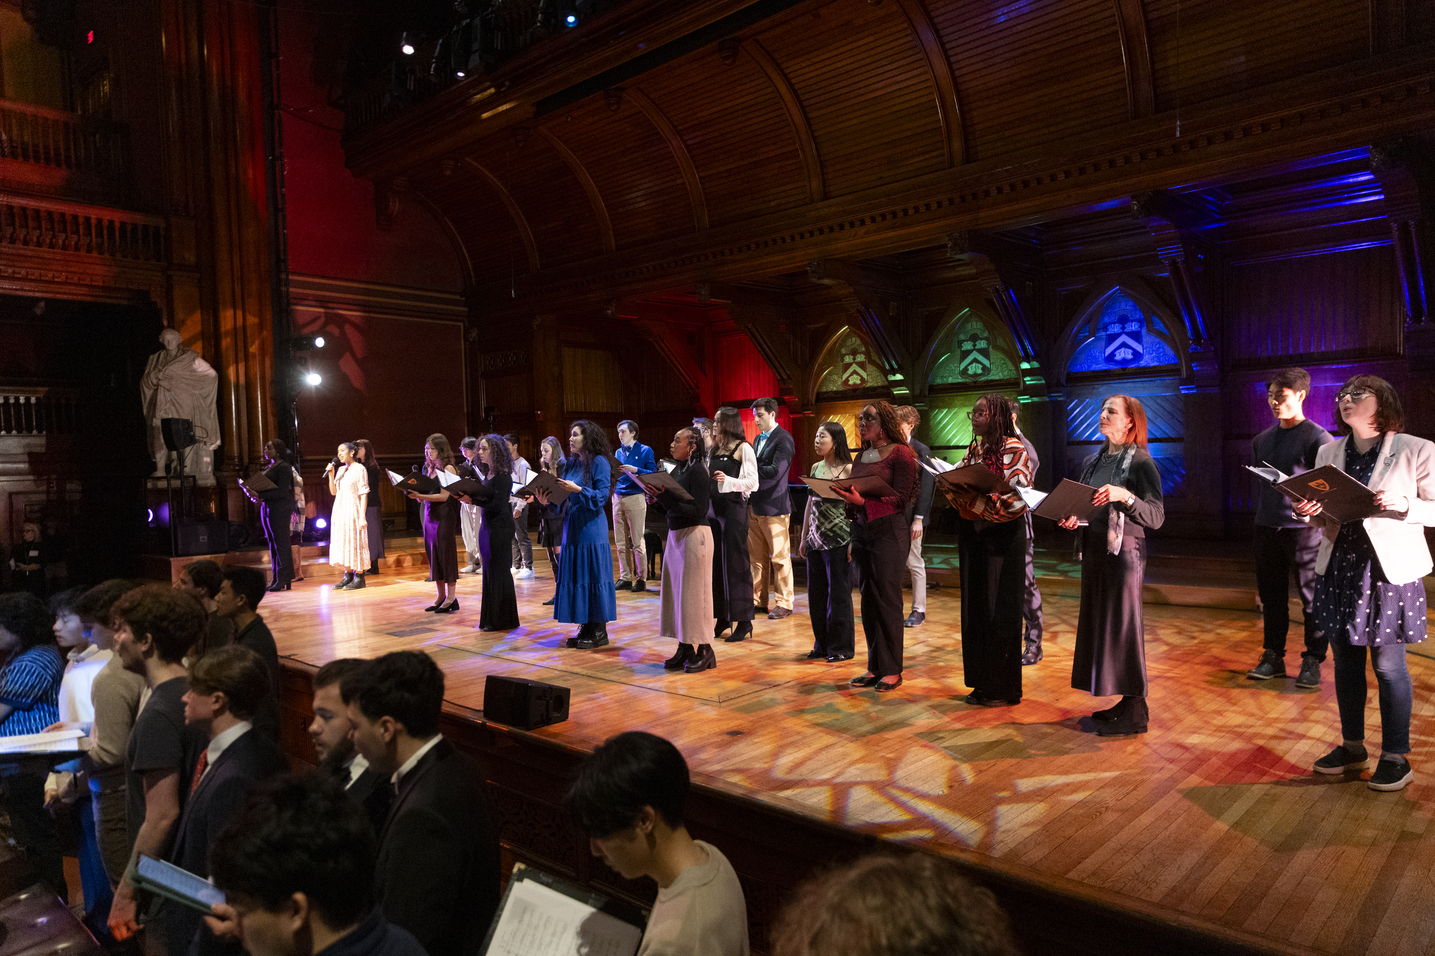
(629, 798)
(203, 578)
(67, 793)
(155, 627)
(31, 669)
(27, 566)
(893, 905)
(437, 871)
(338, 757)
(115, 696)
(236, 601)
(297, 870)
(226, 688)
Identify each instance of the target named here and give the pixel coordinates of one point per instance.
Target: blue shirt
(640, 456)
(31, 685)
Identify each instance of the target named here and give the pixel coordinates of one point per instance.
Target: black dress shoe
(549, 602)
(720, 627)
(1132, 720)
(740, 633)
(344, 584)
(1111, 713)
(623, 585)
(434, 607)
(373, 569)
(915, 619)
(676, 662)
(448, 608)
(582, 635)
(864, 680)
(779, 613)
(1031, 654)
(596, 638)
(703, 660)
(640, 585)
(978, 699)
(759, 609)
(886, 685)
(816, 655)
(839, 658)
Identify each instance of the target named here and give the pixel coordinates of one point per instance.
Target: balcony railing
(53, 138)
(36, 411)
(51, 225)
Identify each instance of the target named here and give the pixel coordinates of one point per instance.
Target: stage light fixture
(320, 523)
(460, 74)
(406, 44)
(313, 378)
(306, 343)
(571, 19)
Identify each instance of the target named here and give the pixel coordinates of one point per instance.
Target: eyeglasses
(977, 415)
(1353, 395)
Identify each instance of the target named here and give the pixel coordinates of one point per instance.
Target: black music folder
(1066, 499)
(1340, 496)
(544, 481)
(973, 479)
(658, 482)
(868, 486)
(415, 481)
(256, 483)
(542, 915)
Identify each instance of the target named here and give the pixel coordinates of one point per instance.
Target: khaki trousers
(770, 554)
(630, 517)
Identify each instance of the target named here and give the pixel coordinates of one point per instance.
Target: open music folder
(547, 482)
(1340, 496)
(542, 915)
(658, 482)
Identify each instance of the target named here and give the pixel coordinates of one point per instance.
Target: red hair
(1137, 432)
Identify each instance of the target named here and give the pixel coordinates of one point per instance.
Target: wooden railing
(45, 224)
(54, 138)
(37, 411)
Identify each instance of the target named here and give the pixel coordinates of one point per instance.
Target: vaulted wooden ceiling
(841, 103)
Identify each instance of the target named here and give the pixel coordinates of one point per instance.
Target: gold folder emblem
(1320, 485)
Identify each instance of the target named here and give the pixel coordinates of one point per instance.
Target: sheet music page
(937, 467)
(538, 921)
(444, 478)
(1269, 473)
(394, 477)
(1031, 496)
(56, 741)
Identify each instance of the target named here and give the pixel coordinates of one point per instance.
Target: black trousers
(879, 550)
(23, 786)
(276, 531)
(993, 565)
(1279, 552)
(732, 571)
(829, 601)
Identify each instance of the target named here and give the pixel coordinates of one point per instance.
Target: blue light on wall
(1123, 337)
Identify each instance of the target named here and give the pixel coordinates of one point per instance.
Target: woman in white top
(1369, 597)
(826, 544)
(348, 520)
(733, 467)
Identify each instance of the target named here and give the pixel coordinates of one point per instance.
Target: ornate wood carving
(944, 84)
(801, 128)
(600, 211)
(519, 220)
(1135, 56)
(680, 154)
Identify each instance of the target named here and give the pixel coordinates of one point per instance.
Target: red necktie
(199, 769)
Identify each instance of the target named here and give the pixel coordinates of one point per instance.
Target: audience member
(768, 546)
(437, 870)
(238, 600)
(203, 579)
(893, 905)
(31, 669)
(338, 757)
(226, 688)
(629, 799)
(297, 868)
(155, 627)
(28, 563)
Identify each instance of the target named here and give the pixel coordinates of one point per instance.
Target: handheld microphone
(336, 464)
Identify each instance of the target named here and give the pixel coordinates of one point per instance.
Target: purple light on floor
(320, 523)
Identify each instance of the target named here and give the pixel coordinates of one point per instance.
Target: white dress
(348, 524)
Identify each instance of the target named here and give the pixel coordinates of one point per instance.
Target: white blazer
(1405, 466)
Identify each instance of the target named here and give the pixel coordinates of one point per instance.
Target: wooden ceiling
(843, 107)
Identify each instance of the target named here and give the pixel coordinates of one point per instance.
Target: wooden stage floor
(1213, 817)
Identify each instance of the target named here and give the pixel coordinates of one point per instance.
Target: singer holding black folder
(881, 538)
(687, 605)
(1369, 594)
(440, 515)
(348, 522)
(1110, 633)
(498, 607)
(276, 507)
(585, 586)
(992, 548)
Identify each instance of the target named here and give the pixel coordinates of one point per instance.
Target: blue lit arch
(1123, 331)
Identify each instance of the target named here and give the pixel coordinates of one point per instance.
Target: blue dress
(585, 582)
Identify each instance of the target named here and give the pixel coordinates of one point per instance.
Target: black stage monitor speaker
(178, 433)
(523, 703)
(201, 537)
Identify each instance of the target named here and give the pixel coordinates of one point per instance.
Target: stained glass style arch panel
(848, 367)
(1123, 336)
(975, 354)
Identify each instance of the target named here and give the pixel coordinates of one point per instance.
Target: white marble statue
(178, 383)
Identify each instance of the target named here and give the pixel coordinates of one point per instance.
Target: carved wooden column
(767, 323)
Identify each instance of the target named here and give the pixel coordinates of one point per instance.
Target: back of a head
(893, 905)
(248, 583)
(236, 672)
(174, 619)
(205, 574)
(96, 605)
(27, 617)
(627, 773)
(404, 685)
(299, 836)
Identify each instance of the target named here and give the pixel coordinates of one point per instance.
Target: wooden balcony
(48, 225)
(53, 152)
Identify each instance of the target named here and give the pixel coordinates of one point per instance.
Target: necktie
(199, 769)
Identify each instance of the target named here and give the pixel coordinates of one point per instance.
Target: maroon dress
(881, 538)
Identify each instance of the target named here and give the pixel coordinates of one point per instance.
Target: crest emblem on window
(975, 354)
(854, 367)
(1124, 339)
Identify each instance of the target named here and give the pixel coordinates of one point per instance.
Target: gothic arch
(1078, 332)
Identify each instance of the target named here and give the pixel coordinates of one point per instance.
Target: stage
(1211, 820)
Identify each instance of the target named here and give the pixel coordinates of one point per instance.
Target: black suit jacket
(926, 484)
(774, 463)
(437, 873)
(374, 794)
(246, 762)
(257, 637)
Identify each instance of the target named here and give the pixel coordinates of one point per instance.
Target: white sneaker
(523, 573)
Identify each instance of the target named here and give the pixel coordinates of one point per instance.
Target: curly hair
(1000, 412)
(501, 459)
(174, 620)
(887, 418)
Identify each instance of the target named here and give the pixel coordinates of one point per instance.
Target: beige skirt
(687, 612)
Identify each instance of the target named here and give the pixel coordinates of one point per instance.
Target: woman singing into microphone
(348, 525)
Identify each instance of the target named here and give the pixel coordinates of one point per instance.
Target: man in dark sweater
(1284, 543)
(297, 867)
(238, 601)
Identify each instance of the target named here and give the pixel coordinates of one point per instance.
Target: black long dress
(374, 514)
(441, 537)
(498, 610)
(276, 508)
(732, 570)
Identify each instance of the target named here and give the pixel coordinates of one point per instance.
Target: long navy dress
(585, 583)
(499, 608)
